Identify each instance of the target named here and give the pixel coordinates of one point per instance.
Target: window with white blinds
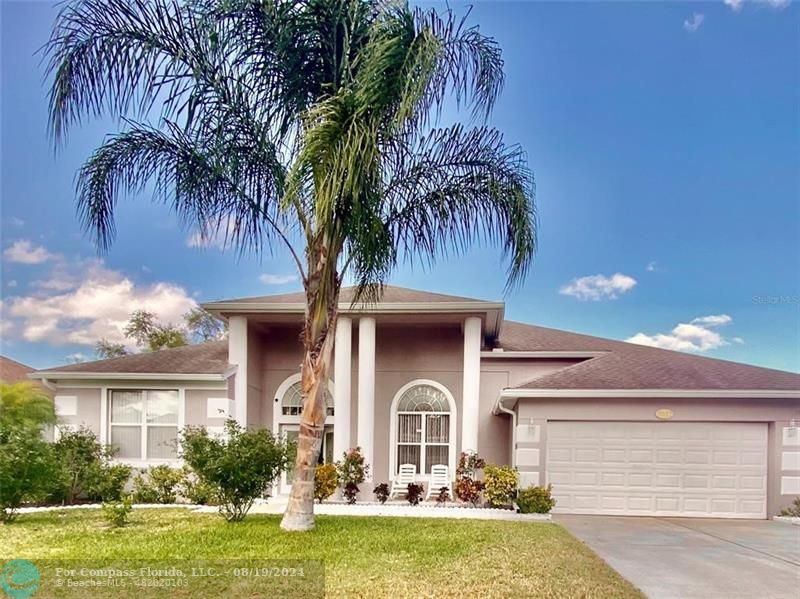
(423, 428)
(143, 424)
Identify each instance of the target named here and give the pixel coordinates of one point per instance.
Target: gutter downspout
(513, 414)
(47, 384)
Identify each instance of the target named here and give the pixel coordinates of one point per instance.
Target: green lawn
(363, 557)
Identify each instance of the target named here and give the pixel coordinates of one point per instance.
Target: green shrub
(27, 467)
(81, 459)
(326, 480)
(160, 486)
(352, 471)
(241, 467)
(381, 492)
(793, 510)
(106, 482)
(500, 485)
(116, 512)
(197, 491)
(27, 463)
(535, 500)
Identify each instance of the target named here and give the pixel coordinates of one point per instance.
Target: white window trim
(106, 424)
(278, 418)
(393, 427)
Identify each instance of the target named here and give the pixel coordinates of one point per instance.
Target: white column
(472, 384)
(237, 354)
(342, 369)
(366, 389)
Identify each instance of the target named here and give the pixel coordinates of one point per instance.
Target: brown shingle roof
(12, 371)
(631, 366)
(391, 294)
(203, 358)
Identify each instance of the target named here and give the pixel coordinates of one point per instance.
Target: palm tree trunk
(322, 298)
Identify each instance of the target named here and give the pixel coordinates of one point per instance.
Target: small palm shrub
(500, 485)
(536, 500)
(381, 492)
(414, 493)
(443, 496)
(326, 479)
(352, 470)
(116, 512)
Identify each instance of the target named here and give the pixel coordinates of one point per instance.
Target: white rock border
(787, 519)
(396, 510)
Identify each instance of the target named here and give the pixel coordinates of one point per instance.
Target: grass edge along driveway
(363, 556)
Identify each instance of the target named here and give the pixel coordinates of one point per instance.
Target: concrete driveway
(686, 558)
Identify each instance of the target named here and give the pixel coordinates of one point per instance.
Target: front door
(292, 432)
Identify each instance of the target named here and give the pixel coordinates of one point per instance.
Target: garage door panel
(670, 469)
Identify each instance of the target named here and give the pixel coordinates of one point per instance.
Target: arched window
(424, 426)
(292, 402)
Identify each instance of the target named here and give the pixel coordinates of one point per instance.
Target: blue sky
(665, 139)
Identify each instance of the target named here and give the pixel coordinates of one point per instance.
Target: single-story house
(418, 377)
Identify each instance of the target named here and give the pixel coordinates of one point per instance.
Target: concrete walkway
(688, 558)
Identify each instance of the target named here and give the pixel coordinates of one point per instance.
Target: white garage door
(661, 468)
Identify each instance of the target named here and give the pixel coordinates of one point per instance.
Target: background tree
(107, 349)
(204, 326)
(310, 125)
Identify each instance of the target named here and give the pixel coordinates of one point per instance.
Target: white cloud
(714, 320)
(86, 302)
(17, 222)
(270, 279)
(23, 251)
(651, 266)
(695, 336)
(736, 5)
(693, 24)
(213, 235)
(12, 283)
(599, 287)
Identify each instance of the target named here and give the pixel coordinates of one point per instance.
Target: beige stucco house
(616, 428)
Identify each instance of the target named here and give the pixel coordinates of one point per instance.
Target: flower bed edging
(787, 519)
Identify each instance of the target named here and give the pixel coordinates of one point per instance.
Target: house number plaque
(664, 414)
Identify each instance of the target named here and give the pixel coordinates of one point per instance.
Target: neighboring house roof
(12, 371)
(202, 358)
(391, 294)
(630, 366)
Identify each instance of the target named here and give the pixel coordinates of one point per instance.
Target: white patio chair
(440, 477)
(407, 474)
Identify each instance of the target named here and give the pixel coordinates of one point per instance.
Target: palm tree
(309, 125)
